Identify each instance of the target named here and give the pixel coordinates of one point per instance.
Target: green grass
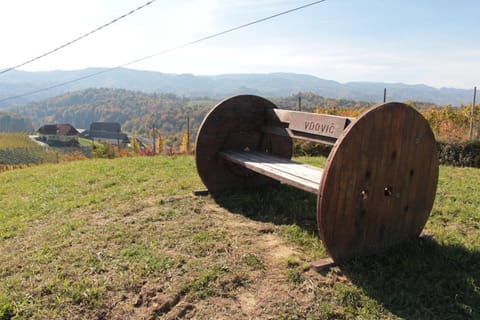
(18, 150)
(124, 238)
(15, 140)
(87, 143)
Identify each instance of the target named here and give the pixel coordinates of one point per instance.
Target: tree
(135, 146)
(185, 146)
(159, 144)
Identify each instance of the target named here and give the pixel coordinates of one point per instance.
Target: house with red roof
(64, 133)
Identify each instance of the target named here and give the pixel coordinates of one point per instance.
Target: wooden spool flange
(235, 124)
(379, 183)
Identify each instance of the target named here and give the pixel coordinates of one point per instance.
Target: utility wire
(221, 33)
(77, 39)
(165, 51)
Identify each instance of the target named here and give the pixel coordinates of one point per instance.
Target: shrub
(306, 148)
(459, 154)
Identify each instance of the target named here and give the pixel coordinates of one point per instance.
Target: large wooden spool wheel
(379, 183)
(235, 124)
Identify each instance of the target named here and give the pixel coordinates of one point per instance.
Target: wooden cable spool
(378, 186)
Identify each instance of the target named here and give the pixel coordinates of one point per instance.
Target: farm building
(109, 132)
(64, 133)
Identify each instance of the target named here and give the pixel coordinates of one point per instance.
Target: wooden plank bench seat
(286, 171)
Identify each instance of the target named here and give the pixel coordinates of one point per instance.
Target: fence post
(472, 116)
(188, 135)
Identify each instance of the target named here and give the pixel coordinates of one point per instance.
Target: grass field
(15, 140)
(125, 239)
(18, 150)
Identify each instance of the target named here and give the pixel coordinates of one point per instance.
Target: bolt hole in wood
(364, 194)
(388, 191)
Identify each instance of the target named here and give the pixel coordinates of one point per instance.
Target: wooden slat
(321, 128)
(317, 124)
(279, 115)
(312, 137)
(285, 132)
(284, 170)
(284, 165)
(285, 116)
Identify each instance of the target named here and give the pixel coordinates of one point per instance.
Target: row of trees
(10, 122)
(452, 124)
(448, 123)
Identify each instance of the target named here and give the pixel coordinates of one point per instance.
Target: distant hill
(269, 85)
(12, 122)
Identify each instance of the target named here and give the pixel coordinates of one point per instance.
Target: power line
(166, 50)
(221, 33)
(77, 39)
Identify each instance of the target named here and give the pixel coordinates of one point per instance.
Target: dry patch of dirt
(250, 279)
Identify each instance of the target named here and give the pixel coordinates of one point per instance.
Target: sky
(436, 43)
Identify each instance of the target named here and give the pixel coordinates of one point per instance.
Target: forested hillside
(11, 122)
(137, 111)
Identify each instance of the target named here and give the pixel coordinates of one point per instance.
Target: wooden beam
(323, 264)
(317, 124)
(306, 125)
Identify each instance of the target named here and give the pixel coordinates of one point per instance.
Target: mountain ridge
(278, 84)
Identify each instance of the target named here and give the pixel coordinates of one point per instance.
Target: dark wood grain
(236, 124)
(379, 183)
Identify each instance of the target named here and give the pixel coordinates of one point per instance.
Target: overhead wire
(78, 38)
(186, 44)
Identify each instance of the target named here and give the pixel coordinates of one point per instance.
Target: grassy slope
(17, 149)
(124, 239)
(15, 140)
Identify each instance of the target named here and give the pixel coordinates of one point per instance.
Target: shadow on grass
(279, 204)
(419, 280)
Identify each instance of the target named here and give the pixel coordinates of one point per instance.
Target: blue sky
(424, 41)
